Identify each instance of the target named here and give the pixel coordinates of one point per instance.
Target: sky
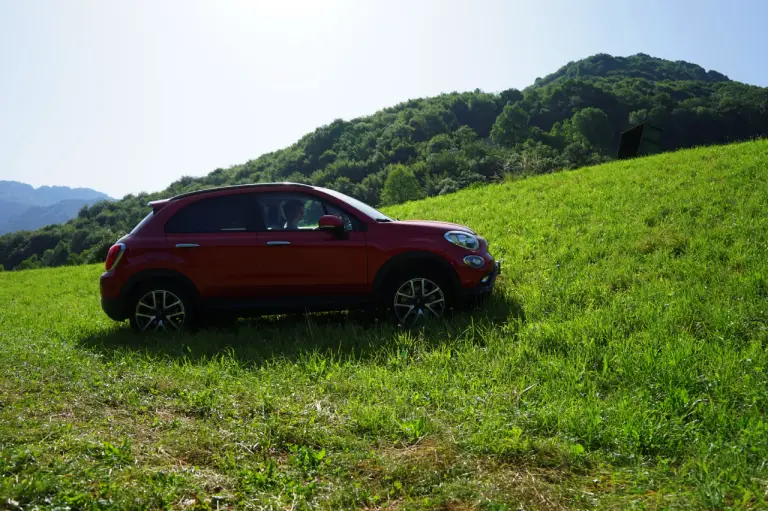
(125, 97)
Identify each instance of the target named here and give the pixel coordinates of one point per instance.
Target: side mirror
(330, 223)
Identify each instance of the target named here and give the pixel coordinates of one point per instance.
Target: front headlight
(474, 261)
(463, 239)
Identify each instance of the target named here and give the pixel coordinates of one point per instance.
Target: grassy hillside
(438, 145)
(621, 364)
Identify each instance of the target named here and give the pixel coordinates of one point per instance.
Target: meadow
(620, 364)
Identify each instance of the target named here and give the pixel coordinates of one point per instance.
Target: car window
(144, 222)
(300, 212)
(365, 208)
(225, 213)
(351, 223)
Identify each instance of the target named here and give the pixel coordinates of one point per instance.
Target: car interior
(275, 218)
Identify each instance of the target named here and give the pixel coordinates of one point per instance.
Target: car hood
(437, 227)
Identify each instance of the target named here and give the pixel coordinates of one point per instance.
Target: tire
(416, 295)
(160, 306)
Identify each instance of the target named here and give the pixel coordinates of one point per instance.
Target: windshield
(361, 206)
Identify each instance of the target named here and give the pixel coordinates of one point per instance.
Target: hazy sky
(129, 96)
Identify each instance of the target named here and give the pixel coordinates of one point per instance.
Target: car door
(304, 262)
(215, 241)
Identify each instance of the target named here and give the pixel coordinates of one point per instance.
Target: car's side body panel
(255, 269)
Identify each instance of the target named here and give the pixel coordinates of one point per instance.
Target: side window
(313, 210)
(351, 223)
(300, 212)
(143, 222)
(226, 213)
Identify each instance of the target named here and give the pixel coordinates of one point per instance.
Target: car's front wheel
(161, 307)
(418, 296)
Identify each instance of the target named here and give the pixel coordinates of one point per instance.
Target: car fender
(414, 257)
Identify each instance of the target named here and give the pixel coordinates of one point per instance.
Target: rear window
(225, 213)
(144, 222)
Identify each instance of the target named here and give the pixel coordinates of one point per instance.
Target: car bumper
(114, 308)
(485, 286)
(112, 302)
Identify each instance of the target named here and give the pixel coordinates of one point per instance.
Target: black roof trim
(237, 187)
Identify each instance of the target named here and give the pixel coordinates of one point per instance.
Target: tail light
(114, 255)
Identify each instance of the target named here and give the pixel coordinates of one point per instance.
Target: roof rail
(236, 187)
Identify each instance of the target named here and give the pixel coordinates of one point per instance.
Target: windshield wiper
(383, 220)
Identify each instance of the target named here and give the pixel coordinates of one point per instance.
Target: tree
(576, 154)
(427, 125)
(467, 178)
(447, 185)
(369, 189)
(533, 158)
(343, 185)
(79, 241)
(464, 135)
(400, 186)
(482, 113)
(60, 254)
(30, 263)
(511, 127)
(594, 126)
(445, 163)
(511, 96)
(47, 258)
(638, 117)
(439, 143)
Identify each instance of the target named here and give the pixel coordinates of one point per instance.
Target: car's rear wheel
(161, 307)
(418, 296)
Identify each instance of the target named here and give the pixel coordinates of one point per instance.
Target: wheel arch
(409, 260)
(145, 276)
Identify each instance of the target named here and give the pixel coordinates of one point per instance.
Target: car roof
(239, 187)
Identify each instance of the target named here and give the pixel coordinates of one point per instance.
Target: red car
(285, 247)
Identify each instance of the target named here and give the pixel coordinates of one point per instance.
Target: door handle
(278, 243)
(186, 245)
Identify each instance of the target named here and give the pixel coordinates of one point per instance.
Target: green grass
(620, 365)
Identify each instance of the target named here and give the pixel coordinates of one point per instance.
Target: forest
(434, 146)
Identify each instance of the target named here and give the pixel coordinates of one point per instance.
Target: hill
(621, 364)
(28, 218)
(23, 207)
(45, 195)
(567, 120)
(9, 208)
(642, 66)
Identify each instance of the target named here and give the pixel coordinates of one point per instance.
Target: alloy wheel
(418, 299)
(159, 310)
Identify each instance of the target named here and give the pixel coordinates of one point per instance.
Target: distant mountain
(10, 208)
(23, 207)
(45, 195)
(35, 217)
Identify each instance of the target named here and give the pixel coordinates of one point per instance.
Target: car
(276, 248)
